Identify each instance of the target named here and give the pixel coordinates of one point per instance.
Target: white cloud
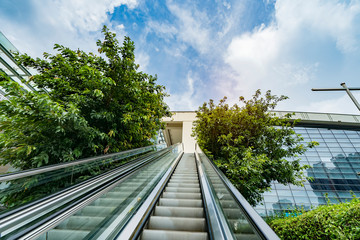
(343, 102)
(186, 99)
(143, 60)
(193, 27)
(72, 23)
(288, 54)
(163, 30)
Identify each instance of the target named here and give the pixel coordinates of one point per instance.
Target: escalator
(179, 213)
(163, 195)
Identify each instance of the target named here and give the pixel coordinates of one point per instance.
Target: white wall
(187, 119)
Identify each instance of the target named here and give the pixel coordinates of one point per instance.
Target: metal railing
(229, 215)
(35, 218)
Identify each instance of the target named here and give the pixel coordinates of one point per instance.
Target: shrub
(339, 221)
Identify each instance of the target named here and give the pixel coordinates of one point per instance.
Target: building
(8, 65)
(335, 162)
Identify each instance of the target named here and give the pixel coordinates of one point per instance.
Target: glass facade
(10, 67)
(335, 173)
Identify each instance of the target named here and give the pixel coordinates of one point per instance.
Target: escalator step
(175, 195)
(190, 185)
(177, 223)
(179, 212)
(183, 189)
(180, 202)
(150, 234)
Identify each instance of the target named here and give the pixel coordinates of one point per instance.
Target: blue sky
(210, 49)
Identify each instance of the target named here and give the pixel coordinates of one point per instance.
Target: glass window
(330, 144)
(344, 164)
(333, 170)
(356, 165)
(261, 212)
(316, 135)
(321, 175)
(271, 193)
(287, 206)
(335, 175)
(337, 135)
(354, 159)
(337, 131)
(302, 201)
(299, 194)
(308, 187)
(282, 187)
(270, 199)
(347, 132)
(343, 194)
(346, 145)
(317, 201)
(313, 158)
(284, 193)
(329, 193)
(353, 137)
(272, 206)
(348, 150)
(313, 194)
(350, 176)
(335, 150)
(325, 154)
(312, 130)
(346, 170)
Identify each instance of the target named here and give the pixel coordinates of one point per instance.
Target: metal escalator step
(183, 181)
(179, 212)
(185, 174)
(190, 177)
(176, 195)
(150, 234)
(177, 223)
(80, 223)
(61, 234)
(183, 189)
(190, 185)
(180, 202)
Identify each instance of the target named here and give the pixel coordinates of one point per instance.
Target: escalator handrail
(18, 217)
(217, 229)
(56, 218)
(34, 171)
(252, 216)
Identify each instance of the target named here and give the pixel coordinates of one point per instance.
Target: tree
(85, 105)
(250, 145)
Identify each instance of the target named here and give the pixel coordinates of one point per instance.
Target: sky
(203, 50)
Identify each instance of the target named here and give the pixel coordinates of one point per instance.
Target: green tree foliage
(338, 221)
(92, 105)
(250, 144)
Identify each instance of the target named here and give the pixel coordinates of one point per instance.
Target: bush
(339, 221)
